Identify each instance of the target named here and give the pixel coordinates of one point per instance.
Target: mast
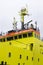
(23, 12)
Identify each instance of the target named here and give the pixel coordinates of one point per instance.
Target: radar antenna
(23, 12)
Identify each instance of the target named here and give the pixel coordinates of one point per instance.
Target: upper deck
(20, 34)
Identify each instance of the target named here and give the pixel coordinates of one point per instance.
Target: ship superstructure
(22, 47)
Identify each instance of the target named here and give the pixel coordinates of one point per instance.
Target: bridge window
(3, 39)
(24, 35)
(30, 34)
(15, 37)
(9, 38)
(0, 40)
(19, 36)
(37, 36)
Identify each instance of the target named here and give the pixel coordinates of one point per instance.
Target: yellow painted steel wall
(21, 47)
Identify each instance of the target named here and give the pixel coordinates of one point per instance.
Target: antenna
(14, 24)
(27, 24)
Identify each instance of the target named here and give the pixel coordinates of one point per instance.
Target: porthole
(9, 55)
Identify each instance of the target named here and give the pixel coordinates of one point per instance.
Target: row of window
(5, 63)
(21, 57)
(17, 37)
(37, 36)
(26, 57)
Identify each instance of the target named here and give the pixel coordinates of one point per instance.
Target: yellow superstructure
(22, 47)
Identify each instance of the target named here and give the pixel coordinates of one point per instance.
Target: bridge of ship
(13, 34)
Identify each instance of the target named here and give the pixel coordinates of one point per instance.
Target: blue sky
(10, 9)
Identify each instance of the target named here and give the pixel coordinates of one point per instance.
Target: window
(42, 52)
(18, 63)
(32, 58)
(38, 59)
(31, 46)
(30, 34)
(19, 36)
(10, 43)
(20, 56)
(35, 35)
(0, 40)
(38, 37)
(9, 54)
(27, 57)
(15, 37)
(24, 35)
(9, 38)
(3, 39)
(41, 45)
